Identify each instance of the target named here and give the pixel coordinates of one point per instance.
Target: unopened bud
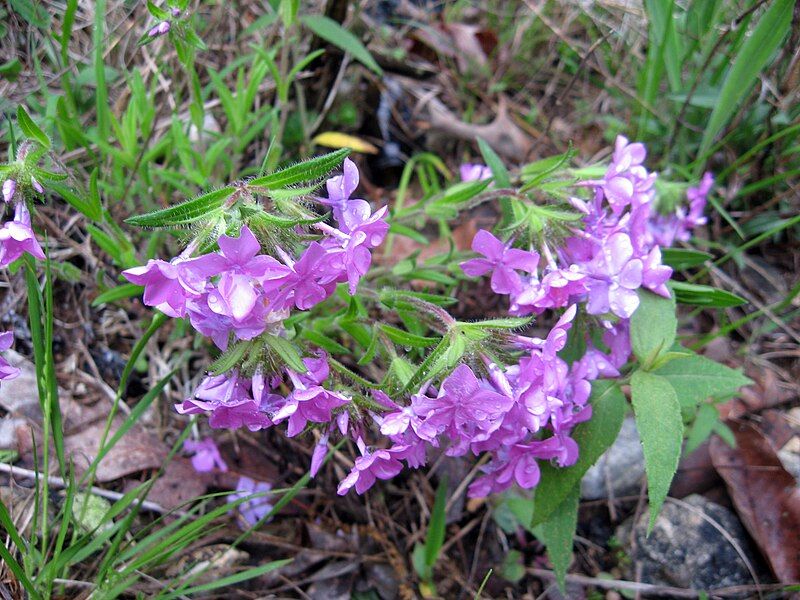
(9, 187)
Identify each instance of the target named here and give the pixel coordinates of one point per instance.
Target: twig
(658, 590)
(109, 495)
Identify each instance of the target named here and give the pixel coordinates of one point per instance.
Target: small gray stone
(685, 549)
(619, 469)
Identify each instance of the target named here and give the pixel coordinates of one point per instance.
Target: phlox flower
(17, 237)
(502, 261)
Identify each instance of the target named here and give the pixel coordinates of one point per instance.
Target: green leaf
(653, 327)
(703, 426)
(287, 351)
(535, 172)
(593, 437)
(232, 357)
(660, 424)
(404, 338)
(425, 559)
(704, 295)
(765, 39)
(31, 129)
(682, 258)
(557, 533)
(409, 233)
(333, 33)
(696, 378)
(308, 170)
(157, 12)
(495, 163)
(185, 212)
(230, 580)
(501, 323)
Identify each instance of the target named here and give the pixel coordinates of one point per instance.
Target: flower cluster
(517, 414)
(526, 412)
(239, 292)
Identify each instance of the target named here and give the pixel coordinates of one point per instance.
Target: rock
(685, 550)
(619, 469)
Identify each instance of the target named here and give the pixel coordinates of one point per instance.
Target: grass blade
(766, 38)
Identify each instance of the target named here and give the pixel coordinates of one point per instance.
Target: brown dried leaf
(765, 496)
(179, 483)
(502, 134)
(20, 397)
(136, 451)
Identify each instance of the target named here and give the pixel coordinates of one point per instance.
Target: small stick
(58, 482)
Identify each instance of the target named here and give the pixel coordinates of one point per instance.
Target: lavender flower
(7, 372)
(257, 505)
(17, 237)
(502, 260)
(161, 29)
(206, 455)
(474, 172)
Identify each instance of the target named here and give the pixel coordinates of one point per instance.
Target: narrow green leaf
(85, 206)
(764, 40)
(660, 424)
(558, 532)
(501, 323)
(682, 258)
(704, 295)
(696, 378)
(436, 526)
(31, 129)
(653, 327)
(185, 212)
(287, 351)
(703, 426)
(232, 357)
(120, 292)
(333, 33)
(593, 437)
(308, 170)
(230, 579)
(404, 338)
(501, 177)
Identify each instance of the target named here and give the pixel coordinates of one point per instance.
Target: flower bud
(9, 187)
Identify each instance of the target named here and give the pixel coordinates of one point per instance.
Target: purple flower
(615, 277)
(206, 455)
(320, 451)
(378, 464)
(17, 237)
(301, 286)
(257, 505)
(474, 172)
(309, 401)
(466, 410)
(232, 404)
(9, 188)
(502, 260)
(518, 464)
(243, 272)
(160, 29)
(168, 285)
(7, 372)
(340, 188)
(36, 185)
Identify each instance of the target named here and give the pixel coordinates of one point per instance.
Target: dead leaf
(765, 496)
(136, 451)
(20, 397)
(179, 483)
(502, 134)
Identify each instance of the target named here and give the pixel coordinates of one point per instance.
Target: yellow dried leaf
(334, 139)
